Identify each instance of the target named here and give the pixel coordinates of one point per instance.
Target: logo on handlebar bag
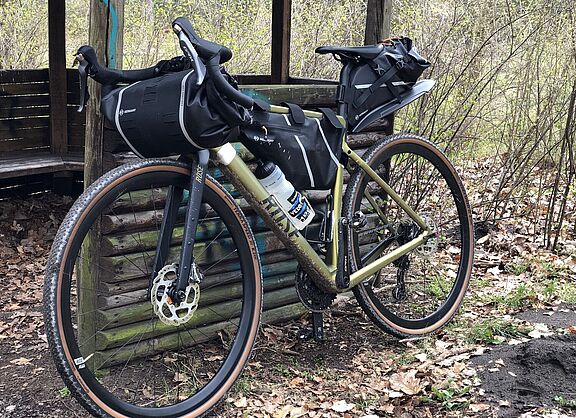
(122, 111)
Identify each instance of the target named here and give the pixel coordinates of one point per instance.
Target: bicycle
(400, 237)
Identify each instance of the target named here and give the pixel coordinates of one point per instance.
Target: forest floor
(510, 351)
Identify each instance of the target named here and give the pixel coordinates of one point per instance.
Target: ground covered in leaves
(511, 351)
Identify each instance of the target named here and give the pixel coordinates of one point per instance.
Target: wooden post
(281, 26)
(378, 17)
(57, 76)
(107, 43)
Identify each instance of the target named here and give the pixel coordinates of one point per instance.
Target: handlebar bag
(307, 149)
(383, 79)
(172, 115)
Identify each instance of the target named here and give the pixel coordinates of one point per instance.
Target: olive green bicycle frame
(325, 271)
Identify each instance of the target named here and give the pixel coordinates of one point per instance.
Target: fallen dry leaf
(342, 406)
(406, 382)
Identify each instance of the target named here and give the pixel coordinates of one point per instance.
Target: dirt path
(486, 363)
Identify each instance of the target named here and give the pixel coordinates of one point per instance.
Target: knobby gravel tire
(64, 364)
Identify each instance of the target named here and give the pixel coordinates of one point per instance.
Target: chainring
(311, 296)
(166, 310)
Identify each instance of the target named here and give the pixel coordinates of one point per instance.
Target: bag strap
(296, 112)
(260, 104)
(233, 114)
(375, 86)
(331, 116)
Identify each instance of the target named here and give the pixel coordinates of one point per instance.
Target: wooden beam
(105, 37)
(378, 26)
(108, 46)
(57, 76)
(281, 27)
(378, 18)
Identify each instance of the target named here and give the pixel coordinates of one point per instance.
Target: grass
(64, 392)
(450, 398)
(520, 297)
(366, 403)
(488, 331)
(565, 403)
(242, 386)
(566, 292)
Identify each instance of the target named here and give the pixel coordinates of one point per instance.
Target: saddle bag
(307, 149)
(172, 115)
(383, 79)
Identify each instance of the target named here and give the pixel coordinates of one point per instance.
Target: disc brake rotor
(164, 307)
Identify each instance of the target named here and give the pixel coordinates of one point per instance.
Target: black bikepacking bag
(307, 149)
(382, 79)
(172, 115)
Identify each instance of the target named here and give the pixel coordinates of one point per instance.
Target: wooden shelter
(41, 133)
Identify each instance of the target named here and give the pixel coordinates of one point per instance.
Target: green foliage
(565, 403)
(64, 392)
(520, 297)
(486, 331)
(450, 397)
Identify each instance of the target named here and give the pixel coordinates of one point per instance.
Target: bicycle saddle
(367, 52)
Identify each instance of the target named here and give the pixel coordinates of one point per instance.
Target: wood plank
(36, 164)
(281, 28)
(304, 95)
(14, 125)
(269, 269)
(24, 101)
(143, 310)
(203, 316)
(57, 75)
(23, 76)
(23, 139)
(170, 341)
(252, 79)
(24, 112)
(313, 81)
(23, 88)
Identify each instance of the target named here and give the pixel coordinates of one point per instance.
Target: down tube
(246, 183)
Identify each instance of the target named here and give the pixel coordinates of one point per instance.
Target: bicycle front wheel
(110, 344)
(419, 292)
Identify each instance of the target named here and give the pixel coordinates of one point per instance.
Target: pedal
(359, 220)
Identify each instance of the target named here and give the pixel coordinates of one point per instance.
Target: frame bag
(306, 149)
(383, 79)
(172, 115)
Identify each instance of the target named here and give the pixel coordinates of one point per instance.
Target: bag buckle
(400, 64)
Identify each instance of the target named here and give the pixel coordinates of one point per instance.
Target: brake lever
(190, 52)
(83, 71)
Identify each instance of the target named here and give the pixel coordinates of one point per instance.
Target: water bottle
(294, 205)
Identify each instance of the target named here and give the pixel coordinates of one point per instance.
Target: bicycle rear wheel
(420, 292)
(111, 348)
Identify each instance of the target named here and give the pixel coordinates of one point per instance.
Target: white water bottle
(294, 205)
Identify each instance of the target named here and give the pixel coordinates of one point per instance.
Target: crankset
(165, 308)
(311, 296)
